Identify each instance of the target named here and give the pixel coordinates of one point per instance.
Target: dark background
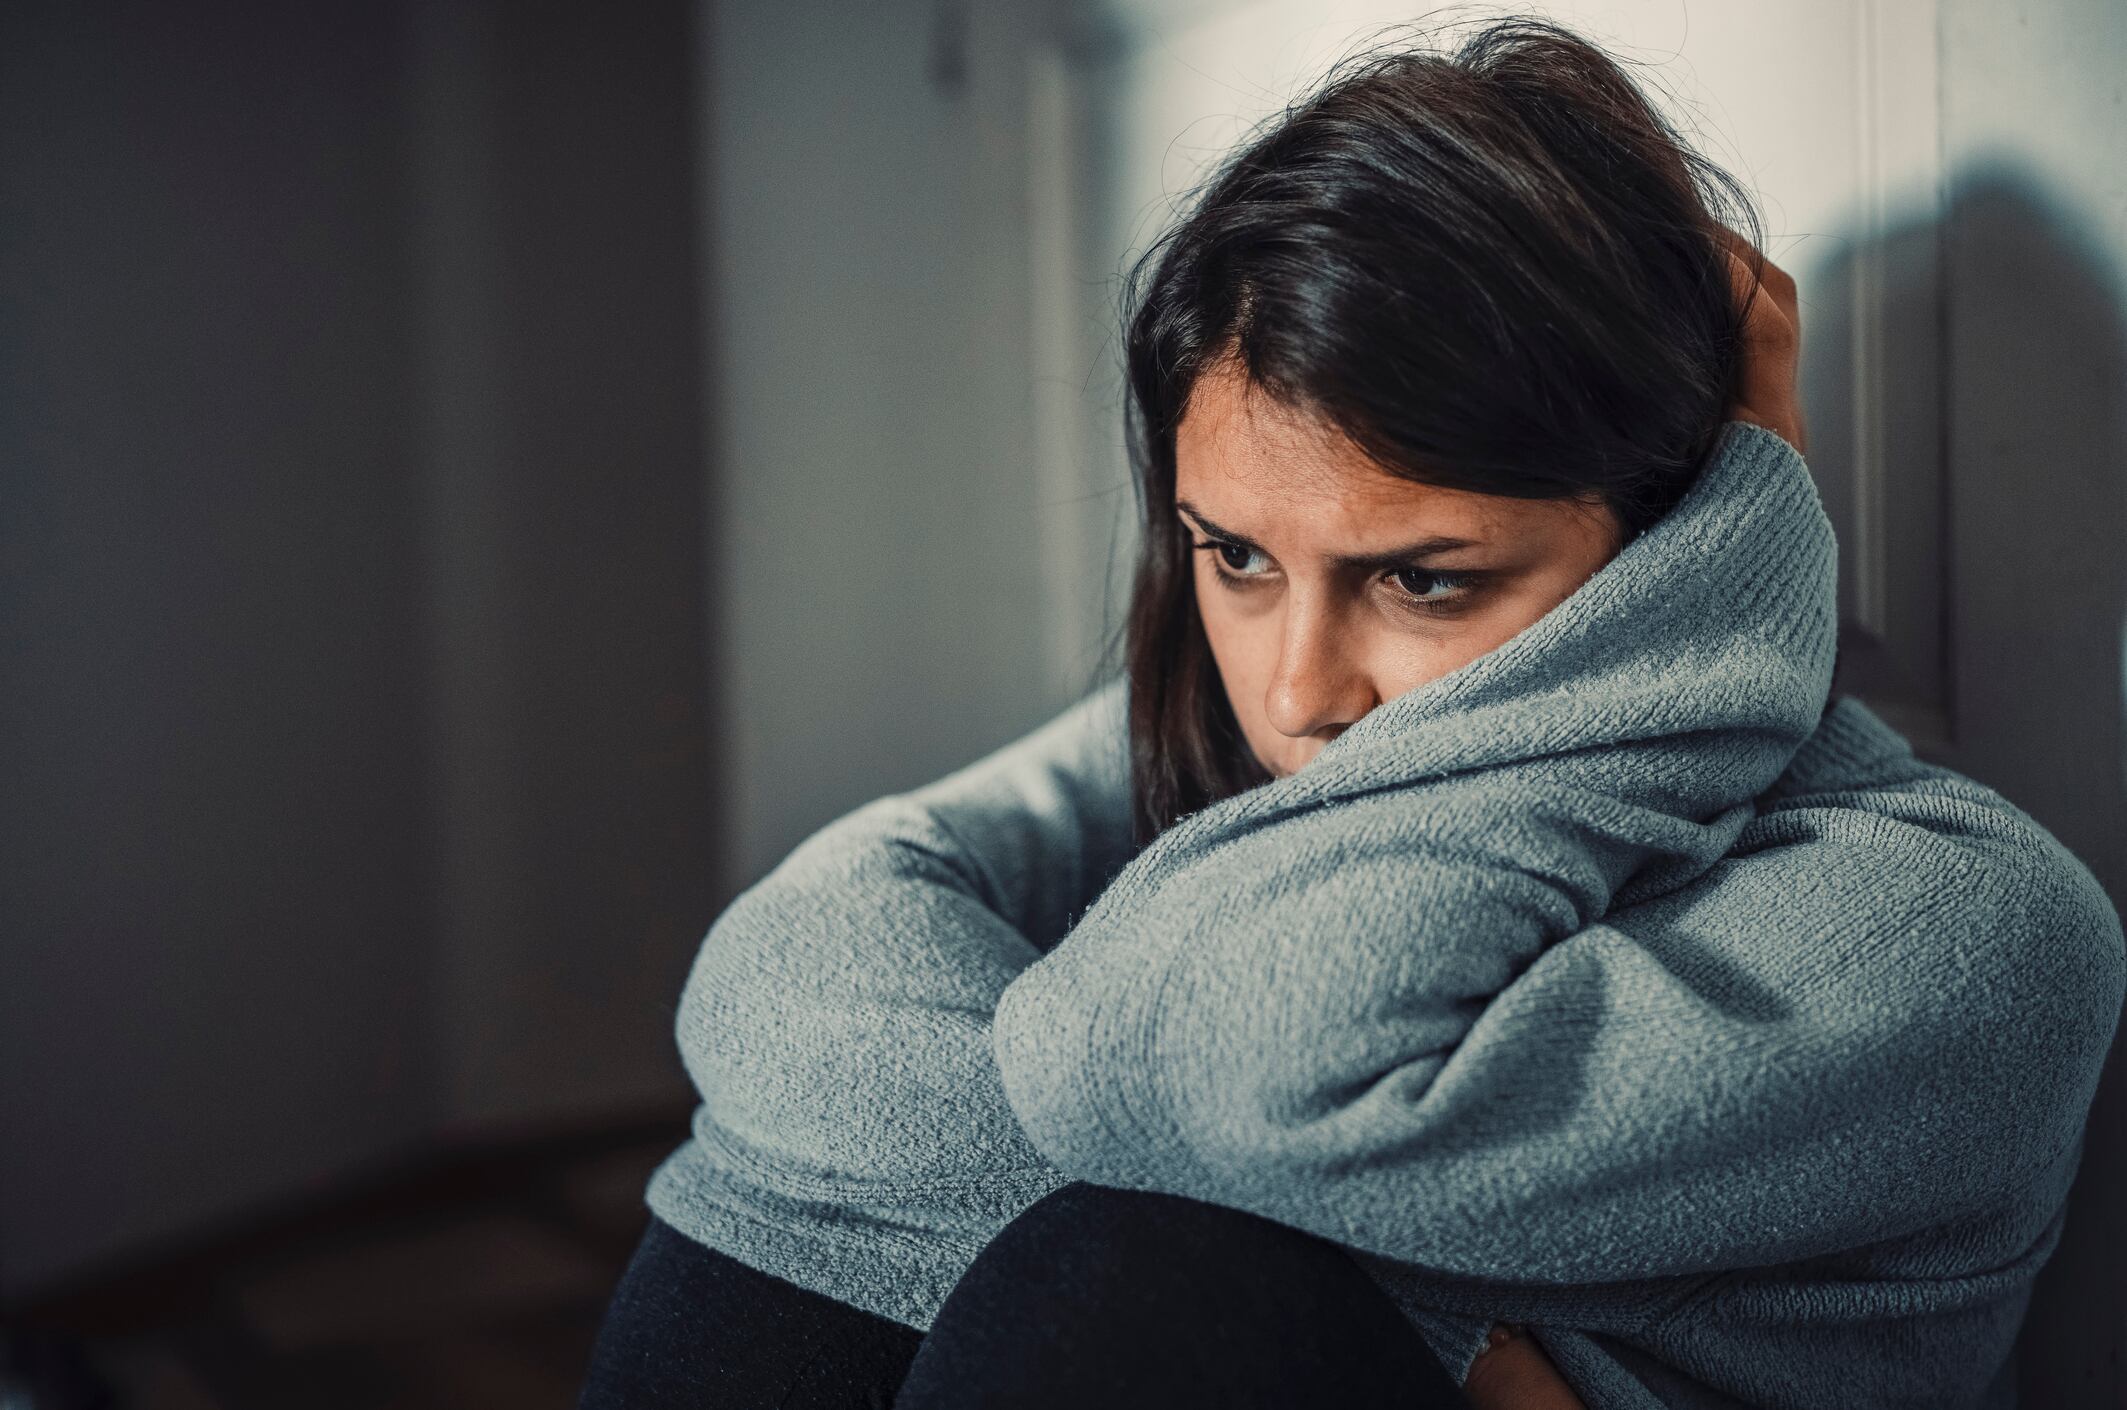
(358, 809)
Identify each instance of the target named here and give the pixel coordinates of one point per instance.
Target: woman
(1471, 913)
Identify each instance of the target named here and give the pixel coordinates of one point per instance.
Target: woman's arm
(836, 1018)
(1414, 1029)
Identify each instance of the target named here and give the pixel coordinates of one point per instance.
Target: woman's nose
(1317, 687)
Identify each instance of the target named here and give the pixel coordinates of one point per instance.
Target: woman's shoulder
(1950, 845)
(1857, 762)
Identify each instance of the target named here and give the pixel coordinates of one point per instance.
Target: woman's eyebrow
(1386, 558)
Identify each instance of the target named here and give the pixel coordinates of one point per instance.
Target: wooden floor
(474, 1282)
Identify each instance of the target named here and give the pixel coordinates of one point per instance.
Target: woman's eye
(1423, 585)
(1435, 590)
(1223, 558)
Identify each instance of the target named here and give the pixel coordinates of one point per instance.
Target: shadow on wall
(2002, 398)
(2038, 420)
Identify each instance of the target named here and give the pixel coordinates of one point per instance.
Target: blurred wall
(356, 790)
(881, 568)
(2035, 320)
(572, 787)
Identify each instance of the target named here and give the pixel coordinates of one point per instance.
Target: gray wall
(2035, 324)
(573, 787)
(881, 572)
(354, 739)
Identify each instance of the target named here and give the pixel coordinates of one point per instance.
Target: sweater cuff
(892, 1272)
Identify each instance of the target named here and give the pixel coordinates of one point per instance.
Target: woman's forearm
(836, 1020)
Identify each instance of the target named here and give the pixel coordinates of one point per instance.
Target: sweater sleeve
(836, 1018)
(1886, 1006)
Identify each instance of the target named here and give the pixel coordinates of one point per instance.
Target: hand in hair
(1514, 1373)
(1767, 392)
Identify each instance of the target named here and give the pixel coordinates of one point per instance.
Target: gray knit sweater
(1615, 983)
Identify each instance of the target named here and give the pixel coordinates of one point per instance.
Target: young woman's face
(1321, 593)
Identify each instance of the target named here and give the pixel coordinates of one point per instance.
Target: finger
(1781, 285)
(1750, 268)
(1767, 327)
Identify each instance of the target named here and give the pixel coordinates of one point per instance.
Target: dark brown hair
(1495, 269)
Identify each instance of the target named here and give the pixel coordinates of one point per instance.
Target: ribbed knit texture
(1609, 984)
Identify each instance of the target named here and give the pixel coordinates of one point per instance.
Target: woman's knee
(1105, 1262)
(1116, 1297)
(1098, 1227)
(689, 1327)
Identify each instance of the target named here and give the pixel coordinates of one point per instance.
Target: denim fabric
(690, 1327)
(1091, 1297)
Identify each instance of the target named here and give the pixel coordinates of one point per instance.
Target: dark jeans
(1091, 1297)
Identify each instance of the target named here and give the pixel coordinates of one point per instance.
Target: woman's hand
(1514, 1374)
(1767, 392)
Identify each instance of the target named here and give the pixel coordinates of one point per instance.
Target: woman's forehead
(1259, 468)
